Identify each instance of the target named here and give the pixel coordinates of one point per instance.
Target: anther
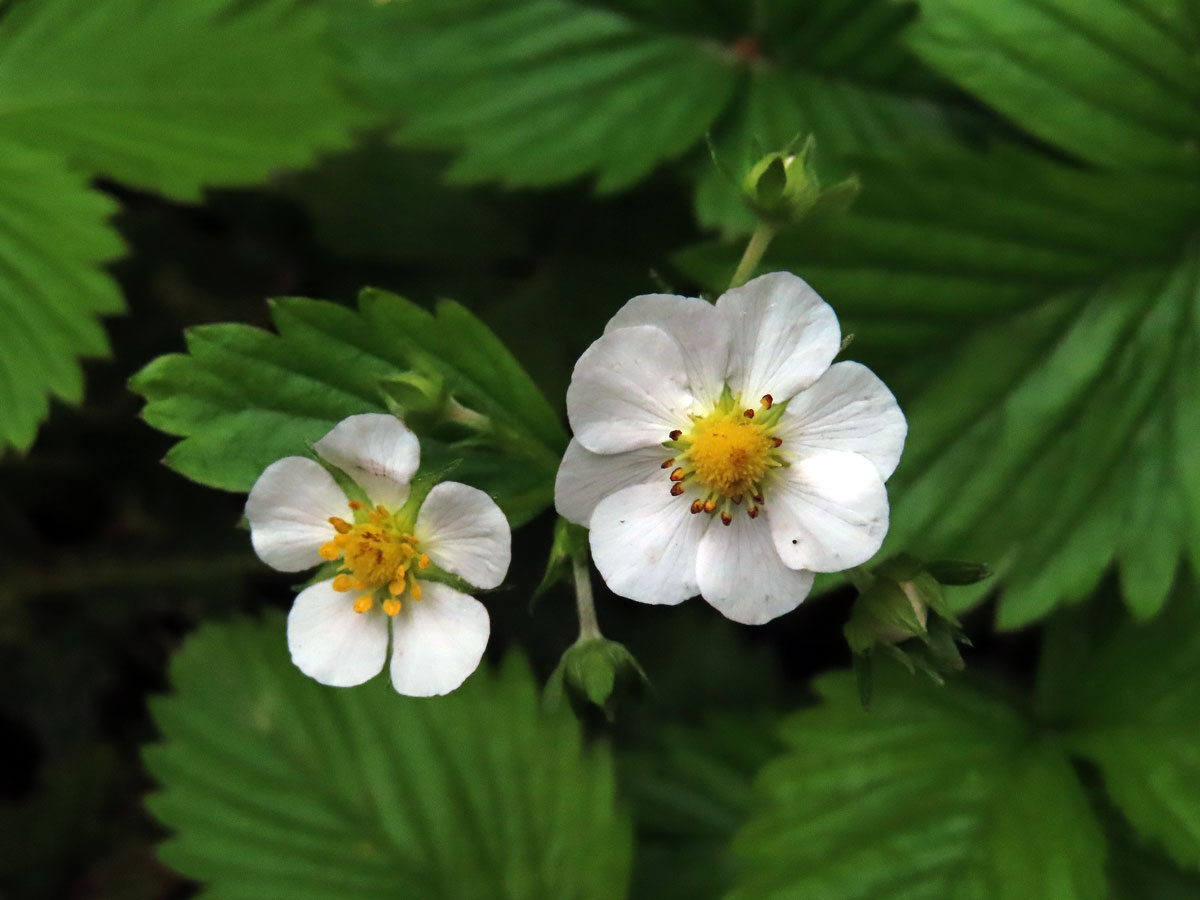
(356, 505)
(749, 414)
(752, 512)
(767, 400)
(777, 441)
(423, 562)
(709, 505)
(675, 435)
(726, 519)
(340, 525)
(392, 606)
(330, 550)
(345, 583)
(678, 474)
(735, 499)
(676, 489)
(396, 588)
(758, 498)
(415, 590)
(667, 463)
(697, 506)
(364, 603)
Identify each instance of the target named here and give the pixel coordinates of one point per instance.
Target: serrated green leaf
(689, 794)
(1125, 700)
(243, 397)
(1050, 318)
(276, 786)
(537, 92)
(170, 97)
(935, 793)
(1115, 82)
(53, 238)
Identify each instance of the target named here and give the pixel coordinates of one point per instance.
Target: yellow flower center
(728, 454)
(376, 554)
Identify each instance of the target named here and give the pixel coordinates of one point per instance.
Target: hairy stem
(759, 241)
(588, 626)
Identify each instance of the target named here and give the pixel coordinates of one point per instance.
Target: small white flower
(338, 628)
(718, 452)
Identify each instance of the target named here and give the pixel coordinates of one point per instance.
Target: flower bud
(904, 611)
(783, 188)
(413, 392)
(592, 671)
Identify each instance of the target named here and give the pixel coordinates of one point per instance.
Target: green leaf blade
(316, 792)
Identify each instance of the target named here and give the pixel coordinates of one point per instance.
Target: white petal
(784, 336)
(378, 451)
(289, 509)
(463, 531)
(437, 641)
(741, 574)
(848, 409)
(702, 334)
(644, 543)
(585, 478)
(628, 390)
(331, 642)
(827, 512)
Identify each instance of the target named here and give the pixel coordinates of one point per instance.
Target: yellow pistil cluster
(728, 453)
(378, 558)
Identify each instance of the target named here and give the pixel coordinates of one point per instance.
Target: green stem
(589, 628)
(759, 241)
(860, 578)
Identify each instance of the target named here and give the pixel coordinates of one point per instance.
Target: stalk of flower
(718, 450)
(394, 555)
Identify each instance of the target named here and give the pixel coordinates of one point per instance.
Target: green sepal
(570, 543)
(592, 671)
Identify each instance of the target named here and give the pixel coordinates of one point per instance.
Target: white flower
(718, 452)
(338, 629)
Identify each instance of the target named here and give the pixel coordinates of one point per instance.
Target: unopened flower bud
(592, 671)
(783, 188)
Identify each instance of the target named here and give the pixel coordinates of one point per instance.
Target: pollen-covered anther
(423, 561)
(414, 590)
(697, 506)
(777, 441)
(767, 400)
(355, 505)
(676, 489)
(749, 414)
(726, 519)
(364, 603)
(331, 550)
(675, 435)
(341, 526)
(344, 582)
(667, 463)
(758, 497)
(709, 505)
(391, 606)
(736, 499)
(679, 474)
(752, 512)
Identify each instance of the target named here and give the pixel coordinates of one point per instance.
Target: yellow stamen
(341, 525)
(730, 453)
(344, 582)
(415, 590)
(364, 603)
(423, 562)
(392, 606)
(330, 550)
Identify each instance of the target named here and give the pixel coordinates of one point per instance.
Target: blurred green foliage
(1022, 266)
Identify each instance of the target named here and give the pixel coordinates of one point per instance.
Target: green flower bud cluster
(783, 188)
(903, 611)
(594, 670)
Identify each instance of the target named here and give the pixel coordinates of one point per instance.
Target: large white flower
(717, 450)
(338, 628)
